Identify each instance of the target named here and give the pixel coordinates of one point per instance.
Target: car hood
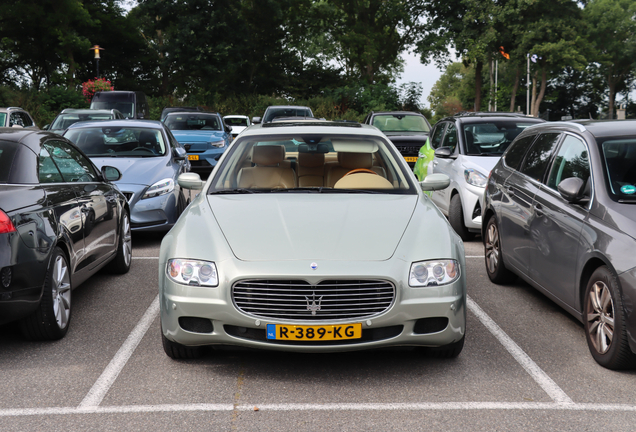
(142, 171)
(266, 227)
(483, 164)
(198, 136)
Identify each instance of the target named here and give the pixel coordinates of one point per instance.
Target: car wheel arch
(593, 263)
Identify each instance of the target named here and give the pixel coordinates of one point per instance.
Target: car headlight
(162, 187)
(475, 178)
(218, 144)
(433, 273)
(192, 272)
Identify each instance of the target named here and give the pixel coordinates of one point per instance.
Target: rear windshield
(65, 120)
(492, 138)
(118, 141)
(273, 113)
(7, 153)
(179, 122)
(234, 121)
(619, 155)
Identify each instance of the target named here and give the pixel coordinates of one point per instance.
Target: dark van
(132, 104)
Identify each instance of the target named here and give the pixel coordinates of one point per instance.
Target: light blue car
(205, 137)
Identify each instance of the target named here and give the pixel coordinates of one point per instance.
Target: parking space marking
(107, 378)
(541, 378)
(143, 258)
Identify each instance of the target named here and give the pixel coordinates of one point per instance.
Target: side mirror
(572, 189)
(190, 180)
(229, 128)
(110, 173)
(179, 153)
(256, 120)
(46, 127)
(443, 152)
(434, 182)
(140, 115)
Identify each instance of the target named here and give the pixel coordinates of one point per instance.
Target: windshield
(491, 138)
(328, 163)
(272, 113)
(64, 121)
(235, 121)
(620, 167)
(126, 108)
(401, 123)
(193, 122)
(117, 141)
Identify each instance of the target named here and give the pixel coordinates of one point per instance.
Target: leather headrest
(355, 160)
(270, 155)
(311, 160)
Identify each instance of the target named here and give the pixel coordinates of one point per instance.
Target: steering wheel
(143, 148)
(360, 170)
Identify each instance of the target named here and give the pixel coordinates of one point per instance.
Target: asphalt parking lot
(525, 366)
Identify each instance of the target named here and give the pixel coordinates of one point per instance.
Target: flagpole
(496, 74)
(528, 87)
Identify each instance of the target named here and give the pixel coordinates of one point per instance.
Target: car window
(450, 138)
(47, 171)
(63, 121)
(400, 123)
(15, 119)
(271, 114)
(236, 121)
(438, 133)
(3, 119)
(620, 166)
(193, 122)
(571, 161)
(538, 157)
(115, 141)
(515, 153)
(26, 120)
(126, 108)
(73, 166)
(492, 137)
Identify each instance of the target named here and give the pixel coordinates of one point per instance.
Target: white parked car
(238, 122)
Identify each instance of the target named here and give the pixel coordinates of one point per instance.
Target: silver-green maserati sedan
(312, 236)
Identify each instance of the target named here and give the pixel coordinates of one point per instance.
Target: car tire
(446, 351)
(495, 267)
(121, 263)
(181, 204)
(605, 328)
(50, 321)
(176, 351)
(456, 218)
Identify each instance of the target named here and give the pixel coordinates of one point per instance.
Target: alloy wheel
(492, 248)
(127, 239)
(600, 317)
(61, 292)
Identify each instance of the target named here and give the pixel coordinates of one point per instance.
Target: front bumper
(402, 324)
(206, 160)
(151, 214)
(472, 205)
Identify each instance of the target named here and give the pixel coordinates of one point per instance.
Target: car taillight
(6, 226)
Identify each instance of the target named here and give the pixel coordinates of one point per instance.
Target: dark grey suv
(560, 212)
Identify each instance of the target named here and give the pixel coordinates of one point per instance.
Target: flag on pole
(504, 53)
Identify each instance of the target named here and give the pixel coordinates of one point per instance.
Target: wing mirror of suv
(179, 153)
(434, 182)
(190, 181)
(443, 152)
(256, 120)
(572, 190)
(110, 173)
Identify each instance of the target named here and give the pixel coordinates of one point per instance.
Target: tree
(612, 34)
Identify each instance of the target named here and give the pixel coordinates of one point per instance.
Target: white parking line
(143, 258)
(546, 383)
(107, 378)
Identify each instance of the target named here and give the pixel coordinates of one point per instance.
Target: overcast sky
(414, 71)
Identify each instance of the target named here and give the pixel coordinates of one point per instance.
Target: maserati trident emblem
(313, 266)
(311, 304)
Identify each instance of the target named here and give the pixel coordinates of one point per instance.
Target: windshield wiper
(232, 191)
(315, 189)
(363, 191)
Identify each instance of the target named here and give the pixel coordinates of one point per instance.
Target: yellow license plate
(314, 332)
(193, 157)
(410, 158)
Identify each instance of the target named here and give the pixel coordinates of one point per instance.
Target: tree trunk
(478, 68)
(515, 87)
(492, 87)
(71, 68)
(612, 95)
(539, 98)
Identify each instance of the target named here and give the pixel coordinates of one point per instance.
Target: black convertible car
(61, 220)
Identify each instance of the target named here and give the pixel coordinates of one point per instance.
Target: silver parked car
(312, 236)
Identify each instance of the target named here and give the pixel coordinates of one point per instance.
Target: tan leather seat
(311, 169)
(267, 174)
(348, 161)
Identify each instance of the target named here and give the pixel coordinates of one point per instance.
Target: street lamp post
(96, 49)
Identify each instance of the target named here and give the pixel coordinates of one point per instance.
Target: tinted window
(492, 137)
(450, 139)
(47, 171)
(71, 163)
(538, 157)
(515, 153)
(7, 153)
(436, 138)
(16, 119)
(620, 166)
(271, 114)
(571, 161)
